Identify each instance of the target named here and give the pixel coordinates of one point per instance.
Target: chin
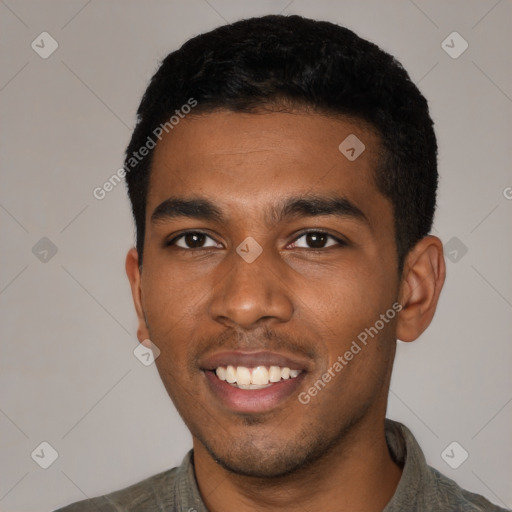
(283, 450)
(270, 457)
(258, 466)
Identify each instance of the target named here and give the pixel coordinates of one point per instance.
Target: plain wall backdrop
(68, 329)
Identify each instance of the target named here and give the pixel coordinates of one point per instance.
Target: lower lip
(253, 400)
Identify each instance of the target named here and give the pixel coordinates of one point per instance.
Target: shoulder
(152, 494)
(449, 493)
(422, 487)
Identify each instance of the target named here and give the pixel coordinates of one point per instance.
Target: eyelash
(172, 242)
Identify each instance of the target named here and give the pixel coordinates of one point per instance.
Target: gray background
(68, 373)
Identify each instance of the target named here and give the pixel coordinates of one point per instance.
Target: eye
(316, 240)
(193, 240)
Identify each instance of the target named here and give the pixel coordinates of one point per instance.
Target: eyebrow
(293, 207)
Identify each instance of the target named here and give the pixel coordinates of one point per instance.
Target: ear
(134, 276)
(421, 283)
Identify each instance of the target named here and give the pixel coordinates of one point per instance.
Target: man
(283, 177)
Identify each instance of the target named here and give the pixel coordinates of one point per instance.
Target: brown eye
(316, 240)
(193, 240)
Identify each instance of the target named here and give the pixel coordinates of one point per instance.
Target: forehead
(243, 161)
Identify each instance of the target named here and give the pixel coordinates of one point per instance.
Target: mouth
(259, 377)
(253, 382)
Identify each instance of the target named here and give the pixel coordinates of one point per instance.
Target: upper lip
(252, 359)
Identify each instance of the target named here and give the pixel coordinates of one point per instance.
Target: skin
(330, 454)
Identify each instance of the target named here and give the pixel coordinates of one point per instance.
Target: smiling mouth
(258, 377)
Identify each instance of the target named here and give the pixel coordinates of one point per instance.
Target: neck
(357, 473)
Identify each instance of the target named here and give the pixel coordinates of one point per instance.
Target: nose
(252, 293)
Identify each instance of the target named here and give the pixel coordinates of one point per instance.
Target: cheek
(345, 309)
(170, 309)
(341, 298)
(170, 293)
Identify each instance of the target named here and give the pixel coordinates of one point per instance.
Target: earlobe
(422, 280)
(134, 276)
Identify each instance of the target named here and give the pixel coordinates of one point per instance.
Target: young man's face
(206, 302)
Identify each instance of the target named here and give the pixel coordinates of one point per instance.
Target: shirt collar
(416, 475)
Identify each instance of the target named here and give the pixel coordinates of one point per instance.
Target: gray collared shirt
(421, 488)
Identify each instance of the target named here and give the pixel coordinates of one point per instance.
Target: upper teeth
(251, 378)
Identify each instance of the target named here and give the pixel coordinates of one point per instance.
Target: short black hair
(298, 63)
